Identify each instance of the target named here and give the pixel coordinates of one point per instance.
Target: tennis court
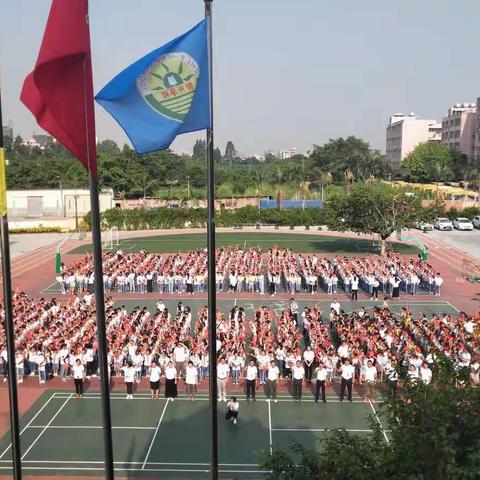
(152, 438)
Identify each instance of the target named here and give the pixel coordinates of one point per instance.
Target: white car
(443, 223)
(463, 223)
(425, 226)
(476, 221)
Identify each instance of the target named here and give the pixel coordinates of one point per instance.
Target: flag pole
(7, 305)
(99, 302)
(212, 299)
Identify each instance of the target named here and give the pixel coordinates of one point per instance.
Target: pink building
(458, 128)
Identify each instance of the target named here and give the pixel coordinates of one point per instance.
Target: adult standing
(78, 376)
(191, 380)
(354, 287)
(347, 372)
(252, 373)
(395, 287)
(170, 381)
(321, 373)
(308, 359)
(180, 354)
(154, 373)
(129, 378)
(298, 374)
(223, 371)
(272, 378)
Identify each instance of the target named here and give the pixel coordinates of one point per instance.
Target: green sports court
(169, 439)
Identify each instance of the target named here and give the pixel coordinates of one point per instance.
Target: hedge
(141, 219)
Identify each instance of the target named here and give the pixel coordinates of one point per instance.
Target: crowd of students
(58, 339)
(249, 270)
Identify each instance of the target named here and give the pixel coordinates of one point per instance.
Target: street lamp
(62, 205)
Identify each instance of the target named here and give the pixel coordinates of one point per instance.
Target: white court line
(176, 470)
(127, 462)
(270, 427)
(286, 400)
(30, 422)
(320, 429)
(45, 429)
(155, 434)
(379, 422)
(86, 427)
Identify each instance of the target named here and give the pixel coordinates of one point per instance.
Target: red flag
(59, 91)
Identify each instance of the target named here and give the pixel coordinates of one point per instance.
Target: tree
(200, 149)
(107, 147)
(217, 154)
(374, 207)
(351, 153)
(230, 152)
(432, 430)
(427, 160)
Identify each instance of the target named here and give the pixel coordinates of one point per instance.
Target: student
(232, 410)
(347, 371)
(129, 378)
(272, 378)
(19, 365)
(370, 379)
(308, 358)
(191, 380)
(223, 370)
(154, 373)
(78, 376)
(354, 288)
(321, 373)
(298, 376)
(252, 373)
(170, 381)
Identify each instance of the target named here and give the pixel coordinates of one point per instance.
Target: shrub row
(139, 219)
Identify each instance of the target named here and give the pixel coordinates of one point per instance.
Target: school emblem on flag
(169, 83)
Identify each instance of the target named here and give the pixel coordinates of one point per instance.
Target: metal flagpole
(212, 298)
(99, 303)
(9, 326)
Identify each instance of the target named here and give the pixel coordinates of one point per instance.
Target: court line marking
(86, 427)
(270, 427)
(320, 429)
(128, 462)
(291, 400)
(30, 422)
(379, 422)
(48, 424)
(155, 434)
(96, 469)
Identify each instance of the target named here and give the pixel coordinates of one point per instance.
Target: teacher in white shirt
(78, 375)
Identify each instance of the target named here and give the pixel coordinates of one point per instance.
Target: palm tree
(303, 191)
(441, 171)
(349, 179)
(325, 179)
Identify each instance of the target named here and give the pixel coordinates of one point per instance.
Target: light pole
(62, 204)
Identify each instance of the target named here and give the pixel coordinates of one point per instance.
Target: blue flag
(164, 94)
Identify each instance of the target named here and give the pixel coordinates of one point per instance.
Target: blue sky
(287, 73)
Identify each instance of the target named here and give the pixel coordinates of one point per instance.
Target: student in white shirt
(298, 374)
(170, 381)
(347, 372)
(154, 373)
(308, 359)
(129, 378)
(78, 375)
(191, 380)
(272, 378)
(252, 373)
(321, 373)
(370, 379)
(223, 370)
(19, 361)
(232, 410)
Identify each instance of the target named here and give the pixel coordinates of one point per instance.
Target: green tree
(427, 160)
(374, 207)
(200, 149)
(230, 152)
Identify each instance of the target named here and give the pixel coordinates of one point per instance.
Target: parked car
(476, 221)
(425, 226)
(463, 223)
(443, 223)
